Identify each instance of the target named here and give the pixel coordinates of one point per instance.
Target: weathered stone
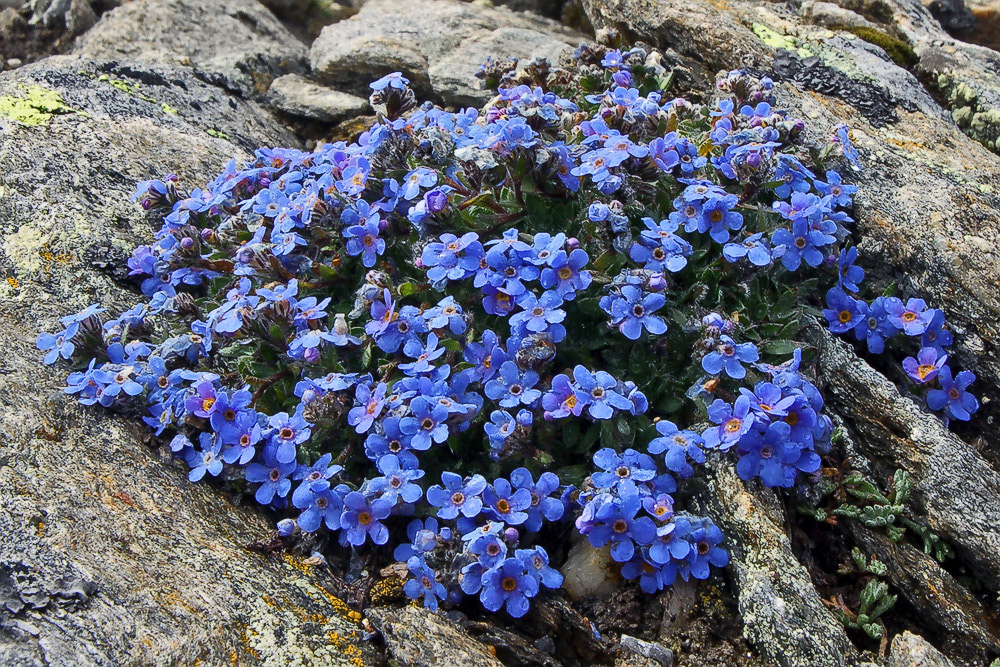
(298, 96)
(783, 616)
(235, 43)
(114, 555)
(910, 650)
(651, 651)
(957, 491)
(417, 637)
(439, 45)
(967, 626)
(832, 15)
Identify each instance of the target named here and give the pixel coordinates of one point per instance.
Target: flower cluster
(370, 332)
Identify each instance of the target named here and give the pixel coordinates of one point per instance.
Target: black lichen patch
(112, 262)
(875, 103)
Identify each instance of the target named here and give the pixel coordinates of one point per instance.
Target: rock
(116, 557)
(438, 44)
(831, 15)
(237, 44)
(590, 572)
(910, 650)
(298, 96)
(783, 616)
(953, 487)
(953, 15)
(967, 626)
(651, 651)
(420, 638)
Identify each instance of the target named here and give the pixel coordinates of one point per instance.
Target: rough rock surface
(109, 555)
(782, 613)
(438, 44)
(910, 650)
(417, 637)
(957, 491)
(298, 96)
(256, 49)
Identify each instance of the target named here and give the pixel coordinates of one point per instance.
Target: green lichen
(123, 86)
(168, 109)
(776, 40)
(36, 107)
(901, 53)
(218, 135)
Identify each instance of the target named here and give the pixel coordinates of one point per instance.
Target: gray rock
(783, 616)
(437, 44)
(659, 655)
(85, 505)
(832, 15)
(957, 491)
(910, 650)
(238, 44)
(420, 638)
(298, 96)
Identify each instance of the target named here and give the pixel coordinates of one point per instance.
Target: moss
(901, 53)
(777, 41)
(36, 107)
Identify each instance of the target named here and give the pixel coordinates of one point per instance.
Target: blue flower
(506, 504)
(677, 446)
(913, 318)
(728, 356)
(513, 387)
(370, 406)
(844, 312)
(447, 313)
(241, 438)
(457, 496)
(753, 247)
(772, 455)
(426, 423)
(615, 521)
(632, 311)
(536, 561)
(542, 504)
(361, 519)
(57, 345)
(876, 328)
(800, 244)
(317, 472)
(320, 504)
(561, 401)
(704, 537)
(849, 275)
(952, 397)
(364, 240)
(597, 392)
(272, 477)
(397, 482)
(421, 177)
(499, 428)
(288, 432)
(393, 80)
(206, 459)
(423, 355)
(935, 335)
(621, 471)
(926, 366)
(424, 584)
(733, 421)
(452, 258)
(541, 314)
(510, 584)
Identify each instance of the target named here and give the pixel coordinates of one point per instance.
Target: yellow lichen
(35, 107)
